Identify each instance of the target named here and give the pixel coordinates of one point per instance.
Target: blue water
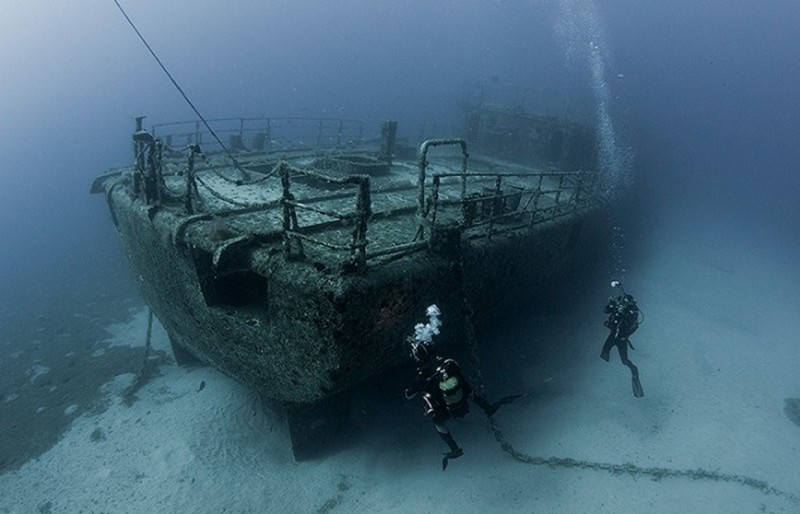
(697, 105)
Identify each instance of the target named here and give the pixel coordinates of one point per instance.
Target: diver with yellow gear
(441, 385)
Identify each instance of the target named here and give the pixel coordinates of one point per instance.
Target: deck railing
(479, 205)
(503, 207)
(262, 134)
(506, 207)
(293, 235)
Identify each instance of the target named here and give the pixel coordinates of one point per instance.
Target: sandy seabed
(718, 355)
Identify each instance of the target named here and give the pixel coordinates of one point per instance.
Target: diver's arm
(416, 386)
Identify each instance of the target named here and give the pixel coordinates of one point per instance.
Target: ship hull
(305, 334)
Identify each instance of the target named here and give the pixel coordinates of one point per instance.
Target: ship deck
(313, 207)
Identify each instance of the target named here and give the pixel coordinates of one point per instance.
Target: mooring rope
(178, 87)
(634, 470)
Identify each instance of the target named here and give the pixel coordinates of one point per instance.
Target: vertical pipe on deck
(148, 169)
(388, 138)
(423, 165)
(138, 156)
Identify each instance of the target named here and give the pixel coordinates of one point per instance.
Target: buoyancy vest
(629, 319)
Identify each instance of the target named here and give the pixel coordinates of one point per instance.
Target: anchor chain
(144, 369)
(654, 473)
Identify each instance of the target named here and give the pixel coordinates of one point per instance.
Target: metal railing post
(536, 196)
(285, 198)
(191, 184)
(558, 193)
(435, 202)
(363, 212)
(497, 205)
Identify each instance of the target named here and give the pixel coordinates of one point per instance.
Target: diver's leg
(484, 404)
(622, 346)
(638, 392)
(447, 437)
(607, 346)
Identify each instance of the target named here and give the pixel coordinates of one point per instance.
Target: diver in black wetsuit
(623, 320)
(444, 392)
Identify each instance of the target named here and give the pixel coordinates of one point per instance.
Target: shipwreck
(298, 256)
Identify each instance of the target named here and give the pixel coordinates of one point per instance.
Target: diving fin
(508, 399)
(455, 451)
(491, 409)
(452, 455)
(638, 392)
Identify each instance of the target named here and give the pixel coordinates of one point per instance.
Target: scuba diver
(623, 320)
(441, 385)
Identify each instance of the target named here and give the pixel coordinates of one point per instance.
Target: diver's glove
(451, 455)
(410, 392)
